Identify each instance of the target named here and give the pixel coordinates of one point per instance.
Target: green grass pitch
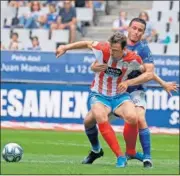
(54, 152)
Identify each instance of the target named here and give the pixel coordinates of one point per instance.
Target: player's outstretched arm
(168, 86)
(76, 45)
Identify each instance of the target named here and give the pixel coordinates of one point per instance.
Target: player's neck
(121, 57)
(130, 42)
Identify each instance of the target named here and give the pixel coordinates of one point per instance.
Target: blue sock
(145, 139)
(92, 134)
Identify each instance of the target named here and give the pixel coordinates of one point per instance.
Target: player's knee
(131, 117)
(141, 118)
(99, 114)
(89, 121)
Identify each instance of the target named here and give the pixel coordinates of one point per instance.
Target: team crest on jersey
(125, 64)
(116, 72)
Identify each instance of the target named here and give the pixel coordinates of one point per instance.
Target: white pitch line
(88, 145)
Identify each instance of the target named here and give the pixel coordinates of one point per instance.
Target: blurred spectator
(15, 44)
(80, 3)
(83, 3)
(17, 3)
(35, 19)
(51, 17)
(2, 46)
(35, 44)
(67, 20)
(98, 4)
(150, 32)
(121, 24)
(89, 4)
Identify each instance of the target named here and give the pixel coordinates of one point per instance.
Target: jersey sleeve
(146, 55)
(139, 60)
(101, 52)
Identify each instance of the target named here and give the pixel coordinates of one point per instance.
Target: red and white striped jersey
(106, 82)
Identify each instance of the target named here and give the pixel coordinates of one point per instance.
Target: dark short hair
(15, 33)
(118, 37)
(35, 37)
(138, 20)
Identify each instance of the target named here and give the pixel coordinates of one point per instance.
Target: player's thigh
(100, 106)
(127, 111)
(100, 112)
(89, 120)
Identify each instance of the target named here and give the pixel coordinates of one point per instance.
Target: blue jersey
(142, 49)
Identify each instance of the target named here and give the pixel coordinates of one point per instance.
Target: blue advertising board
(73, 67)
(68, 104)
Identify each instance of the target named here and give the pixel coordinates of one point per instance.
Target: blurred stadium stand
(96, 24)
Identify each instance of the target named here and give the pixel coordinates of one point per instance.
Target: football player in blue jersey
(136, 30)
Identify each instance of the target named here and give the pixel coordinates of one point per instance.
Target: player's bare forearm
(141, 79)
(76, 45)
(158, 79)
(79, 45)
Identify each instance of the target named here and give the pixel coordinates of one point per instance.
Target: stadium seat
(45, 10)
(24, 34)
(168, 16)
(173, 49)
(156, 48)
(48, 46)
(7, 14)
(155, 15)
(175, 6)
(5, 37)
(22, 11)
(61, 36)
(161, 5)
(174, 28)
(8, 11)
(160, 26)
(84, 14)
(4, 4)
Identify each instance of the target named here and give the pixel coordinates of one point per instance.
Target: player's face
(14, 38)
(136, 31)
(35, 42)
(67, 4)
(35, 6)
(116, 51)
(52, 9)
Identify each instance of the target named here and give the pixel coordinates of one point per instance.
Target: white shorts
(139, 99)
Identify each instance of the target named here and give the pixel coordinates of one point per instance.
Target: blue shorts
(112, 102)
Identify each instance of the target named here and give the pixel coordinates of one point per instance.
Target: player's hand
(96, 67)
(60, 50)
(170, 86)
(122, 87)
